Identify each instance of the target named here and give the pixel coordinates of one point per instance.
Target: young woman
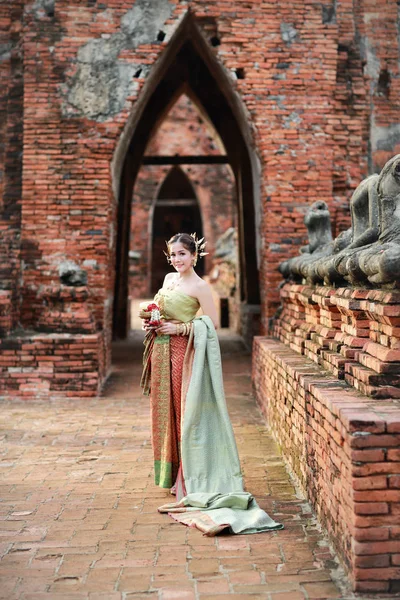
(194, 447)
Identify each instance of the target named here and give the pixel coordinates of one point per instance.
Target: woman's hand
(146, 326)
(167, 328)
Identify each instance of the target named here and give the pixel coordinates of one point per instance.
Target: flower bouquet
(151, 314)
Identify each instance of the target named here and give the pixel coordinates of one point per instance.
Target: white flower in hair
(200, 245)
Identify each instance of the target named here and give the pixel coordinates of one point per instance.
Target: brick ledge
(344, 448)
(382, 415)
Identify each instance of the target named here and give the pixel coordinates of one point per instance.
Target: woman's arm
(206, 301)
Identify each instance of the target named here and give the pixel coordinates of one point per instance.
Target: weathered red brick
(370, 507)
(369, 548)
(380, 560)
(371, 534)
(378, 482)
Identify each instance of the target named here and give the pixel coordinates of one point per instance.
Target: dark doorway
(188, 65)
(176, 210)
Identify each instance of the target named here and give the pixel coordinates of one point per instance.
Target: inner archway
(176, 210)
(188, 64)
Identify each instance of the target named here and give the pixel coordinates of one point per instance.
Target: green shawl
(215, 497)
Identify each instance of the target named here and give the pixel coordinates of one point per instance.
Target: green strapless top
(176, 305)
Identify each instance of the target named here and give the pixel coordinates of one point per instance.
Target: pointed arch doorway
(189, 65)
(176, 210)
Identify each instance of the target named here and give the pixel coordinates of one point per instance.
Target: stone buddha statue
(364, 230)
(318, 223)
(379, 263)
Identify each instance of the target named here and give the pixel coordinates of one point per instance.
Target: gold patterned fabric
(162, 377)
(176, 305)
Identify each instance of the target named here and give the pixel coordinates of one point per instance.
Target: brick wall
(352, 333)
(344, 449)
(63, 365)
(329, 387)
(291, 81)
(11, 144)
(313, 84)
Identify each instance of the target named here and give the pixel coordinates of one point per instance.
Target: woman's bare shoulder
(202, 286)
(168, 278)
(205, 298)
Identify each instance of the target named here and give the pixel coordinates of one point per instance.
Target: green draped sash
(215, 497)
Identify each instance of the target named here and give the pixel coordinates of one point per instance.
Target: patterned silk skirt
(166, 399)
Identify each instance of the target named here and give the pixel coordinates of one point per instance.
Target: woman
(194, 446)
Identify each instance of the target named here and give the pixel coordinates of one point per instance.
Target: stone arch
(176, 209)
(189, 64)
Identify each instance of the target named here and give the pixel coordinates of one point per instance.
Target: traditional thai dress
(165, 355)
(193, 442)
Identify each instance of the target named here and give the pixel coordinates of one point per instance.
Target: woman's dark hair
(186, 240)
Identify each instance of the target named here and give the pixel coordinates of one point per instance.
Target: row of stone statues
(367, 254)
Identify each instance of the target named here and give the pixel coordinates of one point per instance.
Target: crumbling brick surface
(56, 364)
(11, 148)
(352, 333)
(314, 84)
(344, 449)
(330, 389)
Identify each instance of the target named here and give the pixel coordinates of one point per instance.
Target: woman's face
(181, 257)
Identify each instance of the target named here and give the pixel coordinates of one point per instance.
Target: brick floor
(78, 505)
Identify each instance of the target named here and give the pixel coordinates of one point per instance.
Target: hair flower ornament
(200, 247)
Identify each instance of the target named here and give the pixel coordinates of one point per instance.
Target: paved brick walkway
(79, 508)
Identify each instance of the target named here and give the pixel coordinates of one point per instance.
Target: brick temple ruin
(304, 98)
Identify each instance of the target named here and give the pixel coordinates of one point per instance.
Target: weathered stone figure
(318, 223)
(379, 263)
(225, 261)
(369, 252)
(364, 230)
(225, 247)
